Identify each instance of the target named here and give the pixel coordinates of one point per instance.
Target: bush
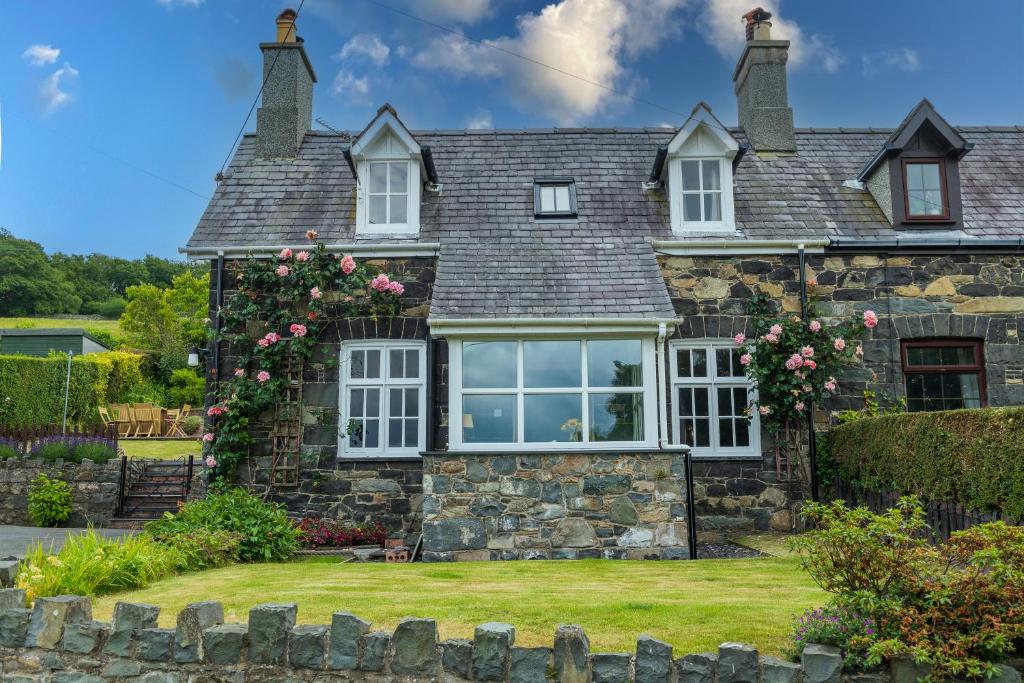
(969, 457)
(267, 533)
(958, 606)
(9, 448)
(186, 386)
(74, 449)
(204, 549)
(333, 533)
(192, 424)
(51, 449)
(49, 501)
(842, 627)
(90, 564)
(111, 308)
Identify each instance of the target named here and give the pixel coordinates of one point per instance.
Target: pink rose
(839, 344)
(745, 359)
(311, 315)
(810, 364)
(811, 282)
(286, 253)
(771, 338)
(870, 319)
(776, 329)
(262, 343)
(807, 352)
(239, 372)
(739, 339)
(298, 330)
(348, 264)
(302, 256)
(208, 437)
(815, 326)
(794, 362)
(312, 235)
(859, 351)
(381, 283)
(263, 376)
(764, 410)
(831, 384)
(315, 293)
(273, 337)
(396, 288)
(799, 406)
(215, 411)
(211, 461)
(283, 270)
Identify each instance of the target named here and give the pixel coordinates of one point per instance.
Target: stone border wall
(58, 640)
(93, 489)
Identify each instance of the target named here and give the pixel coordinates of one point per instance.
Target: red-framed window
(944, 374)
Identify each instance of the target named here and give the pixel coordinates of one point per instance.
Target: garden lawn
(160, 449)
(695, 606)
(111, 326)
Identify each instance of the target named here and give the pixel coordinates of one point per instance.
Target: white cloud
(901, 59)
(53, 97)
(587, 38)
(459, 11)
(480, 120)
(723, 29)
(347, 85)
(366, 45)
(40, 55)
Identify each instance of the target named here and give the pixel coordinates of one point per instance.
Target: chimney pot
(286, 27)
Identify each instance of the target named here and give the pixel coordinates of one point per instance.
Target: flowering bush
(297, 295)
(49, 501)
(9, 448)
(74, 448)
(332, 533)
(840, 626)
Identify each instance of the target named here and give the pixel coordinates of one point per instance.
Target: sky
(117, 114)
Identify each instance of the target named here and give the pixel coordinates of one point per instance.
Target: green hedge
(32, 388)
(971, 457)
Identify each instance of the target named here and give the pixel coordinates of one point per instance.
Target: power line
(259, 94)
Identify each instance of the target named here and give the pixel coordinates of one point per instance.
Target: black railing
(186, 485)
(130, 473)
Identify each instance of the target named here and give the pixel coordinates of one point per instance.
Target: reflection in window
(943, 374)
(924, 189)
(388, 193)
(489, 418)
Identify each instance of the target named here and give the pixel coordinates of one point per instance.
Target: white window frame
(345, 450)
(713, 383)
(412, 224)
(648, 391)
(728, 221)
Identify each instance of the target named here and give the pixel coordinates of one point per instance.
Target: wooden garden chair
(104, 416)
(175, 418)
(143, 419)
(119, 414)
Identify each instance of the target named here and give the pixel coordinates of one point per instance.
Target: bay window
(563, 393)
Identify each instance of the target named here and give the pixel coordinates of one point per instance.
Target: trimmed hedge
(32, 388)
(974, 458)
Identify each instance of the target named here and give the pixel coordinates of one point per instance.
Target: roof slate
(496, 260)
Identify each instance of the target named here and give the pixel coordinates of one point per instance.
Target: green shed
(40, 341)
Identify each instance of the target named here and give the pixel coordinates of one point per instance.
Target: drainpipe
(812, 440)
(660, 371)
(213, 363)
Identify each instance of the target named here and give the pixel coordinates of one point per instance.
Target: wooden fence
(26, 437)
(942, 518)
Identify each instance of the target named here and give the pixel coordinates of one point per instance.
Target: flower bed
(317, 533)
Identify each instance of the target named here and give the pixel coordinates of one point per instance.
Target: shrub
(9, 448)
(186, 386)
(97, 449)
(842, 627)
(267, 533)
(90, 564)
(333, 533)
(49, 501)
(192, 424)
(968, 457)
(51, 448)
(111, 308)
(958, 606)
(204, 549)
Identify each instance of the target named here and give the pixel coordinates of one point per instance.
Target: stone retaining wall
(93, 489)
(58, 640)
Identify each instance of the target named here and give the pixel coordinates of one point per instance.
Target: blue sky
(95, 96)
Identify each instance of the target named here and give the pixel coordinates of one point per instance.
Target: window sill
(513, 450)
(378, 458)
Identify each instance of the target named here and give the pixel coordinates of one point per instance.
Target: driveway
(15, 539)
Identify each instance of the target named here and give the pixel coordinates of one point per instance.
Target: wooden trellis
(286, 432)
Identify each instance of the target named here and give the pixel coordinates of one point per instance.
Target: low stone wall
(57, 640)
(93, 489)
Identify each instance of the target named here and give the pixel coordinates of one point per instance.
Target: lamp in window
(467, 420)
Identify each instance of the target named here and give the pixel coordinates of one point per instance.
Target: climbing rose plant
(279, 310)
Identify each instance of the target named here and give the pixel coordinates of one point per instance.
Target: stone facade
(93, 489)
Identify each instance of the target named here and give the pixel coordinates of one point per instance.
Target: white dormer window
(700, 175)
(389, 165)
(388, 194)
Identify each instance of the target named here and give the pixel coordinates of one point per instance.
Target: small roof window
(554, 198)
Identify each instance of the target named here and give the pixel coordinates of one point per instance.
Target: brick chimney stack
(761, 90)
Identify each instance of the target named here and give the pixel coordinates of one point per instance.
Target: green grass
(776, 545)
(111, 326)
(695, 606)
(160, 449)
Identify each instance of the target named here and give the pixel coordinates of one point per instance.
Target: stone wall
(57, 640)
(93, 489)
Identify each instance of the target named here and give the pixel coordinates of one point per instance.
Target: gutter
(714, 247)
(366, 250)
(498, 327)
(903, 244)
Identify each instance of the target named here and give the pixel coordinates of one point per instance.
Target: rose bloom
(208, 437)
(211, 461)
(810, 364)
(263, 343)
(839, 344)
(316, 293)
(776, 329)
(807, 352)
(764, 410)
(214, 411)
(396, 288)
(794, 362)
(380, 283)
(302, 256)
(807, 388)
(348, 264)
(815, 326)
(312, 235)
(286, 253)
(311, 315)
(273, 337)
(771, 338)
(739, 338)
(831, 384)
(870, 319)
(799, 406)
(811, 282)
(263, 376)
(298, 330)
(282, 270)
(745, 359)
(239, 372)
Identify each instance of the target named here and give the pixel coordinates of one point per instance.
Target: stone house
(571, 295)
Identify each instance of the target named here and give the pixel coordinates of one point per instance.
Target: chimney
(760, 84)
(286, 110)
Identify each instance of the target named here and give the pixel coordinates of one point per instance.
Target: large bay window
(543, 393)
(711, 400)
(383, 399)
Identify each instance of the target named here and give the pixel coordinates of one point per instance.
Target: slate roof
(496, 260)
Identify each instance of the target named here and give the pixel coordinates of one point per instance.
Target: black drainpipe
(812, 438)
(432, 417)
(213, 347)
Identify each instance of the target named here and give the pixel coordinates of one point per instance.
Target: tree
(29, 284)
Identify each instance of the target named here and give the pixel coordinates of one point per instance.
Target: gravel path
(14, 540)
(725, 550)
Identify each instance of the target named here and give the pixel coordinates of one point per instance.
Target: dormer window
(925, 189)
(554, 198)
(389, 193)
(702, 191)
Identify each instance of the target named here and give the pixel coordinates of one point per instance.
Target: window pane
(399, 177)
(703, 434)
(614, 363)
(725, 434)
(929, 176)
(357, 364)
(378, 177)
(373, 364)
(396, 402)
(691, 207)
(399, 208)
(371, 433)
(412, 436)
(356, 403)
(739, 401)
(489, 419)
(691, 175)
(683, 363)
(372, 403)
(488, 364)
(617, 417)
(562, 198)
(553, 417)
(915, 180)
(700, 363)
(685, 401)
(958, 355)
(552, 364)
(412, 402)
(700, 400)
(727, 363)
(547, 199)
(725, 401)
(742, 433)
(396, 364)
(395, 433)
(713, 206)
(378, 209)
(412, 364)
(712, 179)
